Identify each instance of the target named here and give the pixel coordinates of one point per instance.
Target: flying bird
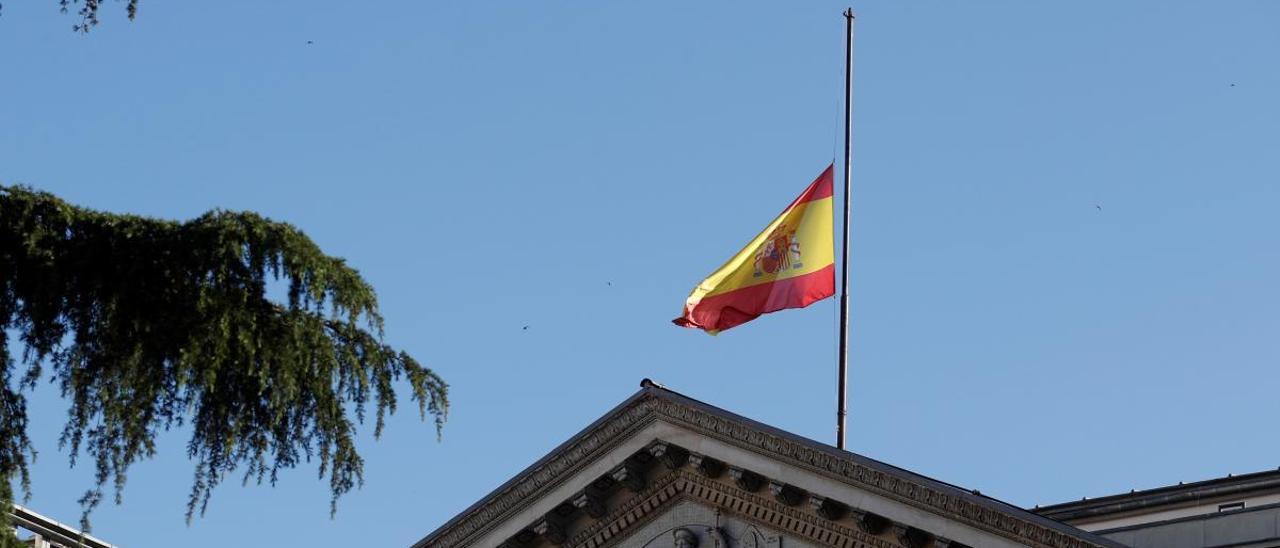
(1098, 206)
(309, 42)
(525, 328)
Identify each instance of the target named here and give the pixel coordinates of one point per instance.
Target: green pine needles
(147, 324)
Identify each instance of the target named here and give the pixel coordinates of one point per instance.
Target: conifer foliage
(88, 11)
(147, 324)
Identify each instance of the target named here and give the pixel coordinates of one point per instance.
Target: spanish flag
(790, 264)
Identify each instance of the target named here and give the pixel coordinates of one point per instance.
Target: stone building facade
(664, 470)
(1235, 511)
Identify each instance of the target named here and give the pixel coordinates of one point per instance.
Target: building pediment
(660, 449)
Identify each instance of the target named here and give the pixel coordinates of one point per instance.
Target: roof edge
(1169, 495)
(645, 390)
(653, 401)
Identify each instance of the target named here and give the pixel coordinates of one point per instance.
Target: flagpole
(843, 409)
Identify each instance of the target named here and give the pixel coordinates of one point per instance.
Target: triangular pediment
(659, 450)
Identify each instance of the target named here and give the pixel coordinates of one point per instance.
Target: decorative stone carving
(831, 509)
(551, 529)
(591, 500)
(642, 458)
(912, 537)
(563, 511)
(789, 495)
(651, 405)
(872, 524)
(707, 466)
(720, 539)
(685, 538)
(672, 456)
(745, 479)
(681, 485)
(630, 475)
(520, 540)
(591, 503)
(602, 485)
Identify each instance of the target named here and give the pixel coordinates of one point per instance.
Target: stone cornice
(681, 485)
(1169, 496)
(543, 476)
(652, 404)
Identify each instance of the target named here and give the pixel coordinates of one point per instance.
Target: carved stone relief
(718, 514)
(684, 538)
(688, 524)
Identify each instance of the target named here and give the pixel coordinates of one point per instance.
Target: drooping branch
(88, 11)
(147, 324)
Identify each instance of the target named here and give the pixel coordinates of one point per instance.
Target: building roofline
(53, 530)
(1197, 517)
(971, 495)
(529, 470)
(647, 401)
(1171, 495)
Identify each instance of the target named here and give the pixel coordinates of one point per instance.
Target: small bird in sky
(1098, 206)
(610, 284)
(309, 42)
(525, 328)
(1233, 85)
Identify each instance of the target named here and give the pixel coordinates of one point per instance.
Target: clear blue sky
(491, 165)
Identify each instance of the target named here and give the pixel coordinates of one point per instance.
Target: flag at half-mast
(790, 264)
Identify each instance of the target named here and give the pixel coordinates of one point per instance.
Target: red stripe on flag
(820, 188)
(720, 312)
